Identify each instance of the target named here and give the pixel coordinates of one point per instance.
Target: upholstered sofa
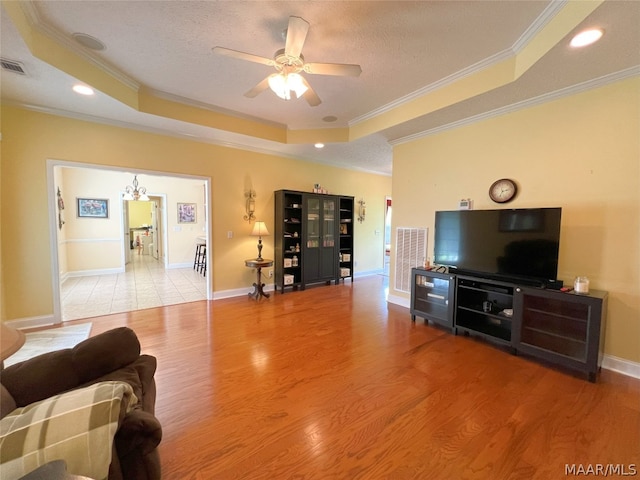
(113, 356)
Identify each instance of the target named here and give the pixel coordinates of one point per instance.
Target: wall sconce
(362, 210)
(250, 205)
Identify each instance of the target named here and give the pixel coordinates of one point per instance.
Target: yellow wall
(30, 138)
(139, 214)
(581, 153)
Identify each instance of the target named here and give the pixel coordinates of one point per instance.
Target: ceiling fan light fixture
(282, 85)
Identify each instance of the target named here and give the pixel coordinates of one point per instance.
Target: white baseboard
(621, 365)
(368, 273)
(88, 273)
(171, 266)
(239, 292)
(32, 322)
(401, 301)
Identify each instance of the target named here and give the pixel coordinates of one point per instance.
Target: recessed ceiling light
(88, 41)
(586, 37)
(330, 118)
(319, 145)
(83, 90)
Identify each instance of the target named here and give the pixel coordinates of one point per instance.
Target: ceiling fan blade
(259, 88)
(243, 56)
(310, 95)
(296, 35)
(340, 69)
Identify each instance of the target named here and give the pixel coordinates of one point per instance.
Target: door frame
(56, 286)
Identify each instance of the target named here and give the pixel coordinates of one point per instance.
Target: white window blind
(411, 251)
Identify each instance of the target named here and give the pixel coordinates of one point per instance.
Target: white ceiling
(406, 49)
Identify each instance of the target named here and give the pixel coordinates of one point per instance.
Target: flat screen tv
(510, 244)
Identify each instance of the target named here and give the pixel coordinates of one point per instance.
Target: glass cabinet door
(313, 223)
(329, 224)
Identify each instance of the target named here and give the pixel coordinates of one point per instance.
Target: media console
(560, 328)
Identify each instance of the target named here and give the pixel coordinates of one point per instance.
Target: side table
(258, 286)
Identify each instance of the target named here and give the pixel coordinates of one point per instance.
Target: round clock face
(503, 190)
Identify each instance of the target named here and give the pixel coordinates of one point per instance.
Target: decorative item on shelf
(317, 188)
(581, 285)
(362, 210)
(135, 192)
(259, 229)
(250, 205)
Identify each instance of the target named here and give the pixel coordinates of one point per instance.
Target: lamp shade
(259, 230)
(11, 341)
(282, 85)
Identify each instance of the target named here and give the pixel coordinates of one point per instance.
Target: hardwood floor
(333, 383)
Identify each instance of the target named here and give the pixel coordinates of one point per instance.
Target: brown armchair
(113, 355)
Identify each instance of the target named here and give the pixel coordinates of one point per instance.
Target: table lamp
(259, 229)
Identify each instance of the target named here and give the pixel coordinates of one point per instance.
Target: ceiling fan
(289, 63)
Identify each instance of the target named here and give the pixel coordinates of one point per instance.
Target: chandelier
(133, 192)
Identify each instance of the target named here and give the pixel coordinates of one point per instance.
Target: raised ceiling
(426, 66)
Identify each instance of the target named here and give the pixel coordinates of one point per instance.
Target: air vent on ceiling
(12, 66)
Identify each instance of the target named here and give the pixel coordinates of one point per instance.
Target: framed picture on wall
(186, 213)
(93, 207)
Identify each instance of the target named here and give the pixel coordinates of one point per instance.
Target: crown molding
(185, 136)
(514, 107)
(211, 108)
(550, 11)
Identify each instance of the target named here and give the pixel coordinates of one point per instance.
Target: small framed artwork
(93, 207)
(186, 213)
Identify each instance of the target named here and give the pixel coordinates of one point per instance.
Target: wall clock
(503, 190)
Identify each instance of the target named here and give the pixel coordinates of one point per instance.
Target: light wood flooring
(333, 383)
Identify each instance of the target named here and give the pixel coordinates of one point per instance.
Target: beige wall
(581, 153)
(97, 244)
(30, 138)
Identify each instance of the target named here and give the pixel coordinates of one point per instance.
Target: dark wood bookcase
(288, 263)
(345, 255)
(313, 239)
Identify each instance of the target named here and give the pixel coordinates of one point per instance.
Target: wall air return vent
(12, 66)
(411, 251)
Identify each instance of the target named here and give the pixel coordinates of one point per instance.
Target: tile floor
(145, 284)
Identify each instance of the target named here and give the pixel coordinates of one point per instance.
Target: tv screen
(511, 244)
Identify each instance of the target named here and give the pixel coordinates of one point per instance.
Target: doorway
(68, 242)
(143, 226)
